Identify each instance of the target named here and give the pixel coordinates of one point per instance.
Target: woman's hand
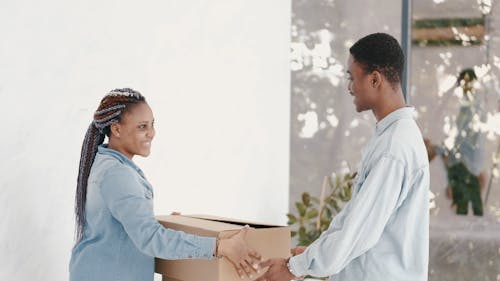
(235, 249)
(297, 250)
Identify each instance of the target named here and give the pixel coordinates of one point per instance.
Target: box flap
(233, 221)
(197, 225)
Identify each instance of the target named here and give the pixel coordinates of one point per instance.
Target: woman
(117, 233)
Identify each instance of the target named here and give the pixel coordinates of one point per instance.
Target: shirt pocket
(148, 194)
(360, 178)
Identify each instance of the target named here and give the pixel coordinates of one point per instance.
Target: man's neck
(388, 103)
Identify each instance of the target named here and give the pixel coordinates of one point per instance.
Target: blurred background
(252, 111)
(443, 38)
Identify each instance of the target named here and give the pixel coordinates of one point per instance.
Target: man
(383, 232)
(464, 161)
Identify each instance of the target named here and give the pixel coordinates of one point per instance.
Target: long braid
(110, 110)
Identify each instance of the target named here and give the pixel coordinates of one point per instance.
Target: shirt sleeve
(357, 228)
(125, 197)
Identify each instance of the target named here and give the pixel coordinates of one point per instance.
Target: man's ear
(115, 129)
(376, 79)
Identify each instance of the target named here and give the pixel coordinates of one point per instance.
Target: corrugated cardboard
(269, 240)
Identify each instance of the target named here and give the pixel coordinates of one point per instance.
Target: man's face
(360, 86)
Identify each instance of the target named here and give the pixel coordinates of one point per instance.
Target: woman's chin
(145, 153)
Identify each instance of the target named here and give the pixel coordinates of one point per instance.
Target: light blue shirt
(382, 234)
(121, 236)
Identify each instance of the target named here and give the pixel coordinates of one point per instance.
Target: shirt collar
(103, 149)
(401, 113)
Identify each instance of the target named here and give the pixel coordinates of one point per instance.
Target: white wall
(215, 73)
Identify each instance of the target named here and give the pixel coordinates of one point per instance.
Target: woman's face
(135, 131)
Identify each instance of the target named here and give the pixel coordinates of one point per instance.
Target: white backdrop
(215, 74)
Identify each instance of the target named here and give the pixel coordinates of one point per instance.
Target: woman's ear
(115, 130)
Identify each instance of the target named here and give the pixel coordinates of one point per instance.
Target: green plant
(315, 214)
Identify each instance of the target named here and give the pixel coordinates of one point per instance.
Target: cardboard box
(270, 241)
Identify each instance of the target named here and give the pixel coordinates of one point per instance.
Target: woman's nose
(151, 133)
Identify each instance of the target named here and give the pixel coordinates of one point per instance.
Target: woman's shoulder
(110, 166)
(118, 178)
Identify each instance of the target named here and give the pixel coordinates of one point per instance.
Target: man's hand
(278, 271)
(449, 192)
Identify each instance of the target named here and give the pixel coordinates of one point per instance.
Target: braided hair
(110, 110)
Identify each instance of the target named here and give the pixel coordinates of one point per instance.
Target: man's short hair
(380, 52)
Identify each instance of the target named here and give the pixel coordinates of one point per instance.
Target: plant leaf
(306, 199)
(312, 214)
(300, 208)
(291, 219)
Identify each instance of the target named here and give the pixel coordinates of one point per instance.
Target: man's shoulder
(405, 143)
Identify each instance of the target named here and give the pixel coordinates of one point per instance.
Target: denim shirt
(121, 236)
(383, 231)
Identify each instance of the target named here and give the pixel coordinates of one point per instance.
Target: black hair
(380, 52)
(468, 71)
